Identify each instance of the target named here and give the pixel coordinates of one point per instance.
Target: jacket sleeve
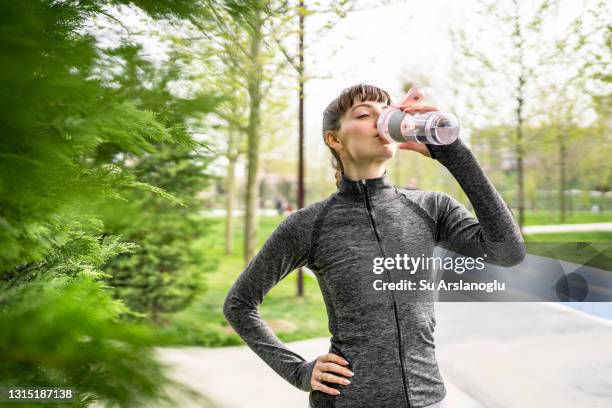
(285, 250)
(494, 232)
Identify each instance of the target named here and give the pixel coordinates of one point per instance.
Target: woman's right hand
(323, 369)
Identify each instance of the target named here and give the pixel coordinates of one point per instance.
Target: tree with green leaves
(69, 140)
(587, 89)
(165, 271)
(252, 38)
(511, 70)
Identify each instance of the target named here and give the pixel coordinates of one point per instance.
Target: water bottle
(438, 128)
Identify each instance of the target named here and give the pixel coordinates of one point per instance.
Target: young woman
(382, 344)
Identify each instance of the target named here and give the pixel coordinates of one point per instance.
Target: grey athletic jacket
(387, 338)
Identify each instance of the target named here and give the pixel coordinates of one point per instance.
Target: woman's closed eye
(363, 115)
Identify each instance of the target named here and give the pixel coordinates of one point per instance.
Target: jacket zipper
(395, 311)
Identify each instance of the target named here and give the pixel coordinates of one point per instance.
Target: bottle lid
(442, 128)
(415, 95)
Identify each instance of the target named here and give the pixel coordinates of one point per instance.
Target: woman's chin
(388, 150)
(379, 152)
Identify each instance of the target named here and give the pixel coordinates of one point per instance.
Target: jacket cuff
(440, 152)
(305, 373)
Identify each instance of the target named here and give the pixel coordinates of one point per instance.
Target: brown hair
(338, 107)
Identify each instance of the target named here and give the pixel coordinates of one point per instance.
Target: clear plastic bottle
(439, 128)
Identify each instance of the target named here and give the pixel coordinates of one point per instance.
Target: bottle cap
(415, 95)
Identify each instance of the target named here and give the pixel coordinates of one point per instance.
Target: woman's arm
(285, 250)
(494, 232)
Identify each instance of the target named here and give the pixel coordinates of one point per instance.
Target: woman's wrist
(305, 375)
(443, 152)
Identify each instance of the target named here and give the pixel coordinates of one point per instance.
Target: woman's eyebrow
(368, 105)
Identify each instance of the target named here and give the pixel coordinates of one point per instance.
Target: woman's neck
(365, 170)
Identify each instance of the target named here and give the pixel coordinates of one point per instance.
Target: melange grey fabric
(387, 338)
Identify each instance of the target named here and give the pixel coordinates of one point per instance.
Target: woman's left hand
(414, 146)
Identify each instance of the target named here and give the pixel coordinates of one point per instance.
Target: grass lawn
(570, 247)
(546, 217)
(291, 318)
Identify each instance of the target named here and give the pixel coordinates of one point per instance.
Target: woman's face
(359, 136)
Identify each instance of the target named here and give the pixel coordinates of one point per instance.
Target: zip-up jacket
(387, 338)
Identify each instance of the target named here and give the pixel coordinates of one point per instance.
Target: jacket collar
(355, 188)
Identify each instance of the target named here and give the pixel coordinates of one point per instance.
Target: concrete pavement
(526, 354)
(545, 229)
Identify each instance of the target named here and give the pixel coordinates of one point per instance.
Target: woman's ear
(332, 140)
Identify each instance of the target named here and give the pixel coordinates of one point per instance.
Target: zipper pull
(363, 182)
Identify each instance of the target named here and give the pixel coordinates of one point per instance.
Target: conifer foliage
(97, 203)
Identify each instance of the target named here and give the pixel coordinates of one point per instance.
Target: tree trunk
(254, 79)
(229, 205)
(520, 151)
(520, 175)
(155, 313)
(562, 177)
(300, 203)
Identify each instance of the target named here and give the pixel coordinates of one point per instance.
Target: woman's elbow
(230, 308)
(520, 252)
(517, 255)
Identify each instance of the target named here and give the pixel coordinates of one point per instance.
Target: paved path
(491, 355)
(526, 354)
(544, 229)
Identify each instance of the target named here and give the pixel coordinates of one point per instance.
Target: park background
(147, 146)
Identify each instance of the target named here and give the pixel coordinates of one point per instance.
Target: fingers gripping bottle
(438, 128)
